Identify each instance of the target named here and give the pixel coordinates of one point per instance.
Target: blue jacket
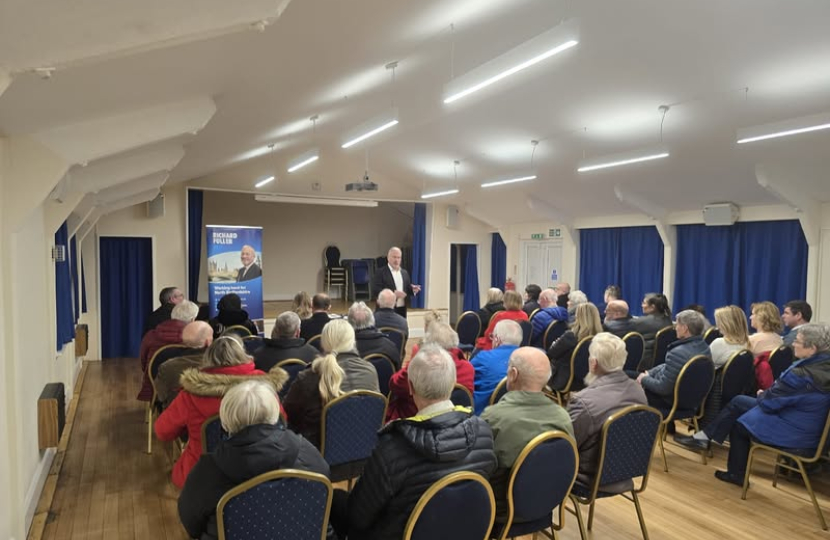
(792, 412)
(542, 319)
(491, 368)
(661, 379)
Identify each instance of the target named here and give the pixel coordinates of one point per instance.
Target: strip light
(796, 126)
(302, 162)
(264, 181)
(315, 200)
(628, 158)
(509, 181)
(370, 133)
(439, 193)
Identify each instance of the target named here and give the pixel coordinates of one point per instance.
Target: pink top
(761, 342)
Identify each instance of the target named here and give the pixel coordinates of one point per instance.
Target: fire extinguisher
(509, 285)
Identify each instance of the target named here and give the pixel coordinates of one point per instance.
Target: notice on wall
(234, 266)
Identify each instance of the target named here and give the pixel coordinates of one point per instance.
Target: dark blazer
(383, 280)
(275, 351)
(254, 271)
(313, 325)
(619, 327)
(163, 314)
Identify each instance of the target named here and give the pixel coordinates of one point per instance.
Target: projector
(365, 185)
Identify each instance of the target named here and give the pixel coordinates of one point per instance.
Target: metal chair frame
(389, 330)
(150, 410)
(467, 392)
(562, 395)
(494, 396)
(382, 357)
(545, 342)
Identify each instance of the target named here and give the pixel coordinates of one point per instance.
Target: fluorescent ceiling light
(625, 158)
(264, 181)
(309, 157)
(529, 53)
(439, 193)
(324, 201)
(370, 133)
(796, 126)
(509, 181)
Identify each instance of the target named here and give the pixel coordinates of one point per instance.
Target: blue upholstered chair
(460, 506)
(292, 366)
(316, 342)
(278, 505)
(626, 446)
(541, 480)
(162, 355)
(780, 359)
(664, 337)
(360, 281)
(468, 327)
(553, 332)
(736, 377)
(349, 432)
(397, 337)
(527, 332)
(212, 433)
(498, 392)
(579, 369)
(252, 343)
(461, 396)
(384, 367)
(711, 335)
(634, 346)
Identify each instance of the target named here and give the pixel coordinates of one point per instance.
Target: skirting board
(36, 486)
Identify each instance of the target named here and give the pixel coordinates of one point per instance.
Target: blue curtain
(419, 235)
(471, 292)
(631, 257)
(64, 314)
(73, 266)
(498, 264)
(195, 204)
(740, 264)
(126, 294)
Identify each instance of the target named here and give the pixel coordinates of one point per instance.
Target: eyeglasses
(799, 343)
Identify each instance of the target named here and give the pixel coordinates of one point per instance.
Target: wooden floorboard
(109, 487)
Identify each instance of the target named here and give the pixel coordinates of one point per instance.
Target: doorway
(464, 291)
(541, 263)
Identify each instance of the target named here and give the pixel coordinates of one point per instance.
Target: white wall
(822, 308)
(514, 235)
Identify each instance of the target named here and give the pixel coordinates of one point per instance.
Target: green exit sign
(554, 233)
(537, 236)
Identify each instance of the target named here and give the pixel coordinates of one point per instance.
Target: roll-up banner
(234, 265)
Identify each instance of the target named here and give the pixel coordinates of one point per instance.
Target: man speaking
(250, 269)
(396, 279)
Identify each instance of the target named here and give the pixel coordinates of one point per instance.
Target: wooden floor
(109, 488)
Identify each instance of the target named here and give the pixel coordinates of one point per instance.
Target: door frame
(523, 255)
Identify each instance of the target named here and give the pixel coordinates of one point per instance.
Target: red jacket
(763, 371)
(401, 404)
(166, 333)
(486, 343)
(201, 395)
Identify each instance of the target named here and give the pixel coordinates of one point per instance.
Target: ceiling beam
(138, 198)
(483, 217)
(105, 173)
(133, 187)
(784, 185)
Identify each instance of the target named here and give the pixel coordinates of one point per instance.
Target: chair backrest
(349, 427)
(460, 506)
(397, 337)
(292, 366)
(498, 392)
(360, 272)
(461, 396)
(252, 343)
(316, 342)
(691, 388)
(738, 375)
(527, 331)
(533, 313)
(579, 366)
(664, 337)
(385, 368)
(780, 359)
(541, 478)
(239, 330)
(634, 346)
(626, 446)
(162, 355)
(278, 505)
(468, 327)
(331, 256)
(711, 335)
(553, 332)
(212, 433)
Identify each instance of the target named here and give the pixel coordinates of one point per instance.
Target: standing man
(169, 297)
(396, 279)
(250, 269)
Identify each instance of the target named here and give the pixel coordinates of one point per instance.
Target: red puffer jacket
(166, 333)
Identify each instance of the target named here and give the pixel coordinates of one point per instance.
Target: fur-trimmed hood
(215, 382)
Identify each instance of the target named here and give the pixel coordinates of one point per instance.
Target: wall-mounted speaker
(155, 208)
(720, 214)
(452, 216)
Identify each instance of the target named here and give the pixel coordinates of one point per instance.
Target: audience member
(301, 305)
(618, 320)
(587, 324)
(495, 303)
(766, 320)
(796, 314)
(548, 312)
(168, 332)
(285, 343)
(198, 336)
(396, 279)
(790, 414)
(731, 322)
(531, 299)
(231, 314)
(491, 366)
(575, 299)
(368, 339)
(702, 310)
(387, 317)
(313, 326)
(414, 453)
(522, 414)
(612, 292)
(656, 316)
(608, 390)
(433, 316)
(257, 444)
(225, 365)
(563, 292)
(441, 334)
(512, 312)
(169, 297)
(341, 370)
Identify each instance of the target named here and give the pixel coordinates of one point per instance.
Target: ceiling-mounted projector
(365, 185)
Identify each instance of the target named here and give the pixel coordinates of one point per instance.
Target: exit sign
(537, 236)
(554, 233)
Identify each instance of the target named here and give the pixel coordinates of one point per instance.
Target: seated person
(258, 443)
(168, 332)
(226, 364)
(548, 312)
(341, 370)
(656, 316)
(198, 336)
(731, 321)
(386, 316)
(790, 414)
(367, 339)
(608, 390)
(401, 404)
(491, 366)
(301, 305)
(768, 327)
(414, 453)
(169, 297)
(522, 414)
(285, 343)
(575, 299)
(512, 312)
(612, 292)
(618, 320)
(796, 314)
(586, 324)
(320, 316)
(531, 299)
(495, 302)
(231, 314)
(563, 293)
(434, 316)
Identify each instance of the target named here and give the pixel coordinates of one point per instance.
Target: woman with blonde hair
(731, 323)
(225, 365)
(302, 305)
(513, 304)
(494, 304)
(586, 324)
(340, 370)
(766, 320)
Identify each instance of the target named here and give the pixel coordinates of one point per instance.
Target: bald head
(528, 370)
(197, 335)
(547, 298)
(616, 309)
(386, 299)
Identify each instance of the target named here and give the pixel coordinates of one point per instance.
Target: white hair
(360, 316)
(186, 311)
(509, 332)
(432, 373)
(609, 351)
(247, 404)
(286, 325)
(441, 334)
(386, 299)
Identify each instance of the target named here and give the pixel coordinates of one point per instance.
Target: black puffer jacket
(370, 341)
(648, 326)
(411, 455)
(486, 313)
(253, 451)
(231, 317)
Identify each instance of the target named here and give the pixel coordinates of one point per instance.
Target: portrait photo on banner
(234, 265)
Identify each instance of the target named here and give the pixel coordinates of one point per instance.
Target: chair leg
(812, 494)
(591, 514)
(662, 449)
(150, 431)
(777, 470)
(578, 512)
(748, 469)
(640, 515)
